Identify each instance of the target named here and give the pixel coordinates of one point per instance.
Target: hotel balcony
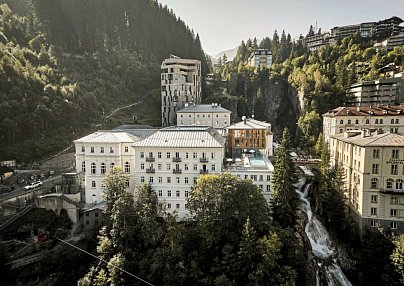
(203, 160)
(176, 159)
(150, 170)
(204, 171)
(177, 171)
(150, 159)
(392, 191)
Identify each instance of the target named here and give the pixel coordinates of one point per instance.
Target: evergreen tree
(285, 200)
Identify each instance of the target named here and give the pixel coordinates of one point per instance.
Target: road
(122, 107)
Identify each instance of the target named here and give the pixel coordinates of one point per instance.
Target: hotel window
(83, 149)
(261, 177)
(169, 193)
(168, 180)
(213, 167)
(177, 179)
(186, 194)
(142, 179)
(394, 154)
(399, 184)
(367, 121)
(160, 193)
(373, 198)
(393, 200)
(186, 167)
(373, 211)
(195, 167)
(186, 180)
(375, 168)
(126, 149)
(341, 122)
(177, 194)
(127, 167)
(151, 180)
(168, 167)
(102, 150)
(150, 154)
(159, 155)
(168, 155)
(393, 213)
(169, 206)
(111, 150)
(141, 154)
(186, 155)
(356, 121)
(127, 183)
(141, 166)
(103, 168)
(195, 180)
(91, 149)
(93, 168)
(373, 223)
(194, 155)
(374, 183)
(389, 184)
(83, 167)
(393, 225)
(349, 121)
(159, 167)
(160, 180)
(381, 121)
(394, 169)
(268, 178)
(212, 155)
(392, 121)
(178, 206)
(268, 188)
(376, 153)
(397, 121)
(111, 165)
(377, 121)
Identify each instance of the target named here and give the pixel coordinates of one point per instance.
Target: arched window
(374, 183)
(111, 165)
(392, 121)
(83, 167)
(399, 184)
(376, 121)
(103, 168)
(92, 168)
(349, 121)
(367, 121)
(127, 167)
(381, 121)
(356, 121)
(397, 121)
(389, 184)
(341, 122)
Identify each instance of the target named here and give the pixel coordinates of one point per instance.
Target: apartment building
(249, 134)
(97, 153)
(391, 42)
(385, 118)
(173, 158)
(260, 58)
(377, 92)
(373, 165)
(204, 115)
(180, 85)
(315, 42)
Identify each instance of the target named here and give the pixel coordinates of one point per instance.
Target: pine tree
(285, 200)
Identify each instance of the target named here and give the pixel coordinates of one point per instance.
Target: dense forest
(65, 65)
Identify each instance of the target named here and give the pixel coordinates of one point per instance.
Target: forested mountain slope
(66, 64)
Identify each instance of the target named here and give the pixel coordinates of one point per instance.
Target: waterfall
(322, 246)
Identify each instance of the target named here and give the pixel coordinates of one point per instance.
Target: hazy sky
(223, 24)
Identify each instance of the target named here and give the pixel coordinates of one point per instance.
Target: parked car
(33, 185)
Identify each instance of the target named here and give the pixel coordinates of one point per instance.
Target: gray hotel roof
(200, 108)
(379, 140)
(184, 137)
(108, 137)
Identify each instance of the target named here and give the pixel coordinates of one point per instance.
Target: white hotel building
(171, 160)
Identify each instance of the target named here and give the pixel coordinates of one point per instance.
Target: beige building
(173, 158)
(180, 85)
(260, 58)
(374, 171)
(315, 42)
(385, 118)
(204, 115)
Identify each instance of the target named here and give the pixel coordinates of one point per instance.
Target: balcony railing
(203, 160)
(176, 159)
(150, 170)
(177, 171)
(204, 171)
(392, 191)
(150, 159)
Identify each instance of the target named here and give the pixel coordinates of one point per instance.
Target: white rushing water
(321, 245)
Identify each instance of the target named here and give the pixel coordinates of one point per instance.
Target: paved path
(122, 107)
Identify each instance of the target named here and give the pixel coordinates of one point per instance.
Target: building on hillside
(385, 118)
(315, 42)
(93, 216)
(98, 152)
(180, 85)
(58, 201)
(377, 92)
(204, 115)
(373, 167)
(260, 58)
(172, 159)
(249, 134)
(391, 42)
(254, 166)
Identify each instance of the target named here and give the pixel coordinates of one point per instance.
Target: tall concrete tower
(180, 84)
